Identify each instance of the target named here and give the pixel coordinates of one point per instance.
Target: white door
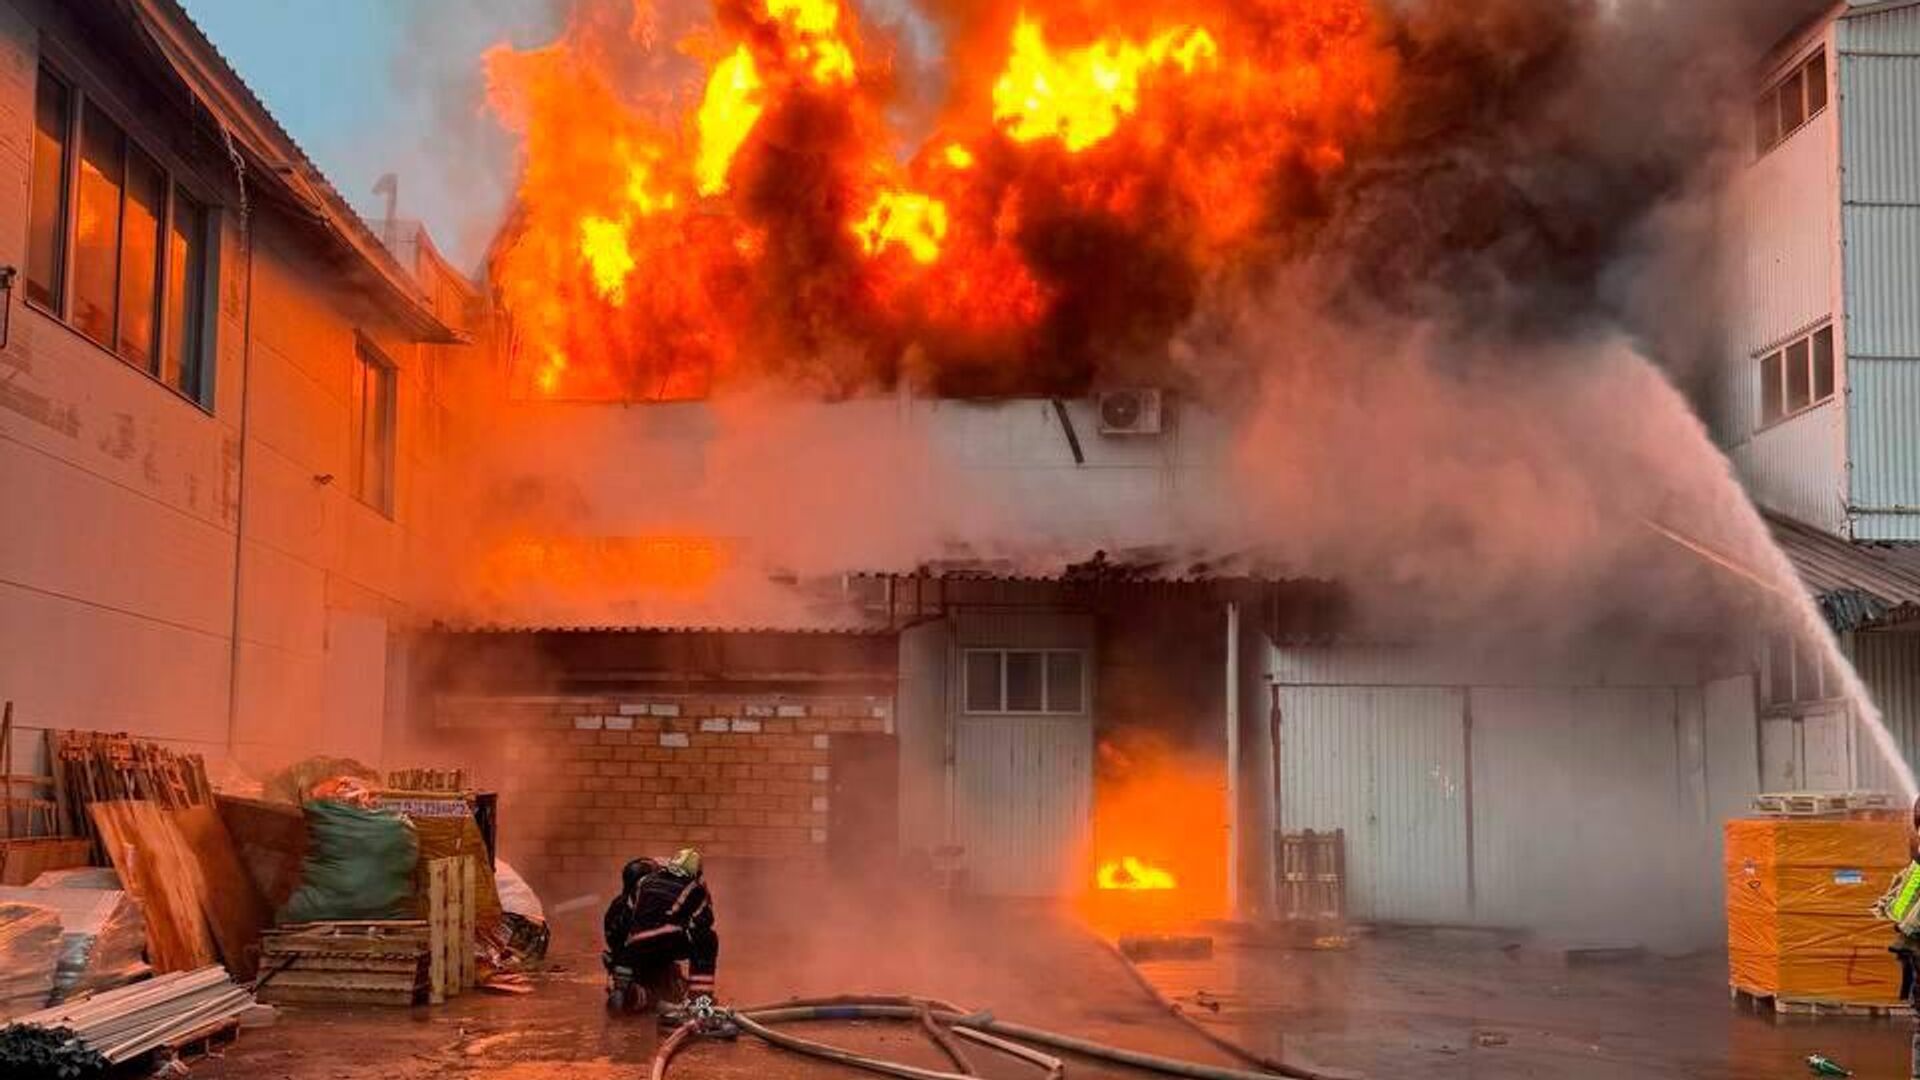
(1780, 767)
(1388, 765)
(1023, 803)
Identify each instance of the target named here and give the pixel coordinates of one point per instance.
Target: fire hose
(1015, 1039)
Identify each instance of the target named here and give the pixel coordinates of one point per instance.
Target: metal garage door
(1023, 802)
(1388, 765)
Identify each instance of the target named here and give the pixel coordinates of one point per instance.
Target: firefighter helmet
(685, 863)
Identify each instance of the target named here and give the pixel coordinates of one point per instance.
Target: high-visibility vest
(1909, 892)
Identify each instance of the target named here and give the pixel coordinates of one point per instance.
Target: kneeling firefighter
(663, 915)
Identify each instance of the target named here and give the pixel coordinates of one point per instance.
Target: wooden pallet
(1780, 1005)
(1821, 803)
(450, 927)
(348, 963)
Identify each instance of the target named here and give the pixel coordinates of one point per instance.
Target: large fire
(768, 213)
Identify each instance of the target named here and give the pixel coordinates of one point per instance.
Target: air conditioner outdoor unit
(1130, 412)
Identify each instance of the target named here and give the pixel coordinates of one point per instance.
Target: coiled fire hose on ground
(759, 1021)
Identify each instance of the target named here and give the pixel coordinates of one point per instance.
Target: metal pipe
(1233, 759)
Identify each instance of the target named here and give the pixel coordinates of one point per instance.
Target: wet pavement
(1024, 963)
(1458, 1005)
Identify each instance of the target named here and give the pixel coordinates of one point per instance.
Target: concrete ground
(1457, 1005)
(1022, 962)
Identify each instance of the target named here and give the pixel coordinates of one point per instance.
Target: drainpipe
(1233, 759)
(240, 466)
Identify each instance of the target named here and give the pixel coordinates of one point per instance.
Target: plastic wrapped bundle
(29, 952)
(103, 936)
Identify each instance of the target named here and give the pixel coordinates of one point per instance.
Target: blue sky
(375, 86)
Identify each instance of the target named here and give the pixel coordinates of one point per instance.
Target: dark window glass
(373, 472)
(1771, 401)
(1766, 122)
(1793, 105)
(186, 284)
(96, 242)
(1799, 377)
(1817, 83)
(983, 682)
(1066, 688)
(140, 260)
(47, 227)
(1823, 364)
(1024, 682)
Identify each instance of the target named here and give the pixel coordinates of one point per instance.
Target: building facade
(1818, 403)
(218, 404)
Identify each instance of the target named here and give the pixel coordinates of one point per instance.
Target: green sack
(359, 866)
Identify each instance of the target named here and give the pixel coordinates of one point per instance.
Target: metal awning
(1858, 585)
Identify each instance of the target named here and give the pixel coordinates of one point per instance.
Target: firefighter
(665, 915)
(1901, 907)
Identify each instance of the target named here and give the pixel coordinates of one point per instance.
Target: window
(1029, 681)
(1797, 377)
(373, 408)
(1787, 105)
(115, 248)
(47, 224)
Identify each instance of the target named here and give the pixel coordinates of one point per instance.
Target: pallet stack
(121, 1025)
(392, 962)
(345, 963)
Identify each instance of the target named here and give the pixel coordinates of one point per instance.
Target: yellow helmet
(685, 863)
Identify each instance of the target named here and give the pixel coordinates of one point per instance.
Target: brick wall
(586, 783)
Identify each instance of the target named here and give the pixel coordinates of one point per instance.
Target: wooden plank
(232, 904)
(437, 973)
(156, 866)
(468, 907)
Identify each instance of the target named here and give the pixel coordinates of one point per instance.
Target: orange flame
(1131, 874)
(1080, 96)
(765, 217)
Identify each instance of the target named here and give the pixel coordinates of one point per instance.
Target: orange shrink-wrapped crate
(1800, 894)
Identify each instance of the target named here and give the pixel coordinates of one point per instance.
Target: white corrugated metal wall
(1388, 765)
(1889, 665)
(1879, 79)
(1591, 811)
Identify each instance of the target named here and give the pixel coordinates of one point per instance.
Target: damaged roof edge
(213, 81)
(1858, 585)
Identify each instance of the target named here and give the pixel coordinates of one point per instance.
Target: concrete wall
(119, 565)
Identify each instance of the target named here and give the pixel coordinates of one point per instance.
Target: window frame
(1045, 655)
(197, 384)
(1769, 101)
(368, 358)
(1777, 356)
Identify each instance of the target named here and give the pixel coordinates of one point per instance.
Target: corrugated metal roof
(1856, 584)
(1160, 566)
(185, 47)
(799, 631)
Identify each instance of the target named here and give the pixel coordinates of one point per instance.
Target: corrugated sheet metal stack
(355, 963)
(121, 1025)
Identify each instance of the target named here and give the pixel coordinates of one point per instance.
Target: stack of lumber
(123, 1024)
(346, 963)
(439, 780)
(92, 766)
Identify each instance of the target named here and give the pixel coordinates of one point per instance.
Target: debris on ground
(1489, 1039)
(1820, 1065)
(1166, 946)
